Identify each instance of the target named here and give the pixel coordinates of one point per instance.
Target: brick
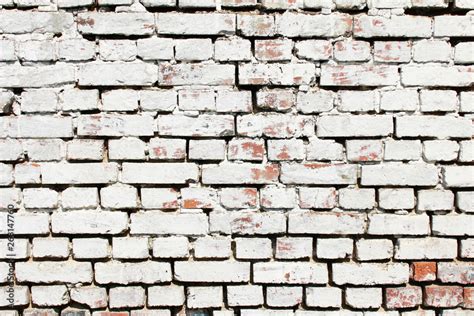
(57, 247)
(364, 150)
(111, 50)
(21, 22)
(403, 297)
(85, 149)
(423, 271)
(195, 24)
(198, 198)
(464, 201)
(246, 149)
(395, 224)
(315, 101)
(76, 49)
(10, 198)
(203, 125)
(130, 247)
(195, 74)
(132, 272)
(432, 51)
(253, 248)
(418, 174)
(323, 297)
(292, 24)
(319, 198)
(436, 76)
(212, 247)
(276, 74)
(232, 49)
(293, 247)
(452, 272)
(370, 273)
(454, 225)
(434, 200)
(256, 25)
(354, 126)
(171, 247)
(314, 49)
(280, 100)
(250, 223)
(54, 271)
(275, 125)
(290, 273)
(155, 48)
(402, 150)
(211, 272)
(238, 197)
(244, 173)
(79, 100)
(466, 153)
(463, 53)
(166, 295)
(374, 249)
(392, 51)
(286, 149)
(318, 173)
(395, 199)
(40, 198)
(36, 127)
(78, 173)
(273, 50)
(167, 149)
(90, 248)
(207, 149)
(159, 198)
(159, 223)
(396, 26)
(164, 173)
(440, 150)
(233, 101)
(359, 75)
(467, 248)
(334, 223)
(244, 295)
(399, 100)
(324, 149)
(443, 296)
(26, 223)
(351, 51)
(119, 100)
(89, 222)
(117, 74)
(44, 149)
(334, 248)
(53, 295)
(131, 296)
(108, 23)
(39, 100)
(370, 297)
(427, 248)
(284, 296)
(453, 26)
(358, 199)
(357, 101)
(458, 176)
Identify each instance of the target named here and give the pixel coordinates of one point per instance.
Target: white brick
(54, 271)
(435, 200)
(433, 75)
(458, 176)
(193, 49)
(93, 297)
(315, 101)
(207, 149)
(341, 223)
(171, 247)
(319, 198)
(197, 100)
(277, 198)
(290, 273)
(426, 248)
(131, 296)
(79, 198)
(90, 248)
(360, 199)
(166, 295)
(465, 201)
(402, 150)
(79, 100)
(438, 100)
(291, 24)
(374, 249)
(323, 297)
(463, 53)
(155, 48)
(354, 125)
(76, 49)
(431, 51)
(458, 26)
(467, 248)
(78, 173)
(40, 198)
(26, 223)
(195, 24)
(119, 100)
(453, 225)
(147, 272)
(39, 100)
(111, 50)
(253, 248)
(53, 295)
(159, 223)
(318, 173)
(314, 49)
(44, 149)
(334, 248)
(399, 100)
(233, 101)
(245, 295)
(359, 75)
(417, 174)
(396, 199)
(212, 247)
(164, 173)
(36, 50)
(204, 296)
(322, 149)
(159, 198)
(119, 196)
(284, 296)
(440, 150)
(364, 297)
(212, 272)
(57, 247)
(357, 101)
(294, 247)
(203, 125)
(112, 23)
(394, 224)
(466, 153)
(126, 148)
(232, 49)
(89, 222)
(370, 273)
(117, 73)
(130, 247)
(85, 149)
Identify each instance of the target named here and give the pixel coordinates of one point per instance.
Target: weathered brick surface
(236, 157)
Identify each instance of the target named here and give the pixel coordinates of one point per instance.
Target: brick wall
(221, 157)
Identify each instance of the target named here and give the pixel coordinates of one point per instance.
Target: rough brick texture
(236, 157)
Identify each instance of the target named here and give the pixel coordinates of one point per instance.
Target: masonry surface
(236, 157)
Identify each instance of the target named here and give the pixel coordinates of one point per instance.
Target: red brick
(423, 271)
(403, 297)
(469, 297)
(443, 296)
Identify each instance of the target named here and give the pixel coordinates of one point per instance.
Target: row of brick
(236, 49)
(197, 223)
(274, 74)
(289, 24)
(260, 248)
(232, 101)
(120, 196)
